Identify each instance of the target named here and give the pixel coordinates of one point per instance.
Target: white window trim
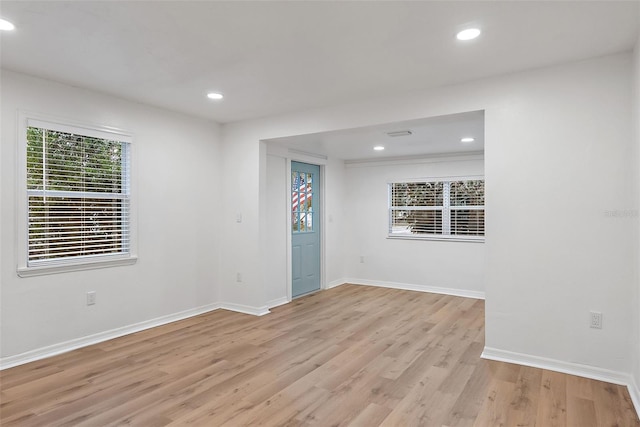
(433, 237)
(26, 119)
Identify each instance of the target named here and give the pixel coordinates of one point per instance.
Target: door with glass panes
(305, 228)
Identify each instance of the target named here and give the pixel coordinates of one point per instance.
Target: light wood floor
(353, 355)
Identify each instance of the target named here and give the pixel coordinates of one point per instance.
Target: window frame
(62, 265)
(446, 210)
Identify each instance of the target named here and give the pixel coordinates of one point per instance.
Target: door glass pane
(309, 221)
(301, 202)
(309, 202)
(294, 221)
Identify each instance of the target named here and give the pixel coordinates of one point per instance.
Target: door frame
(321, 219)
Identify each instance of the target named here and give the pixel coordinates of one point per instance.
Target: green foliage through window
(78, 195)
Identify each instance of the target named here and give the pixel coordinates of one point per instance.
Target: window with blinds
(440, 209)
(78, 192)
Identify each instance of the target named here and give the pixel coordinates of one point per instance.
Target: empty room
(320, 213)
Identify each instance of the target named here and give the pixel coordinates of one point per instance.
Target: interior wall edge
(244, 309)
(465, 293)
(278, 302)
(634, 392)
(335, 283)
(636, 132)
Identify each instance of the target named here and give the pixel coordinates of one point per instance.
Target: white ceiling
(429, 136)
(276, 57)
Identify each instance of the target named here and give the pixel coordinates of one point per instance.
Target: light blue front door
(305, 228)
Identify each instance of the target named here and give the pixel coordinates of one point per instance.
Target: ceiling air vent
(400, 133)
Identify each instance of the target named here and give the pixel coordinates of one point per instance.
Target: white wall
(636, 125)
(457, 266)
(335, 228)
(557, 158)
(277, 229)
(177, 168)
(243, 244)
(248, 245)
(557, 161)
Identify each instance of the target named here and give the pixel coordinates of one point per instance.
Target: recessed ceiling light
(214, 95)
(468, 34)
(378, 148)
(467, 140)
(6, 25)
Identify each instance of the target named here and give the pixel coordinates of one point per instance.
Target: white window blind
(78, 192)
(443, 209)
(466, 204)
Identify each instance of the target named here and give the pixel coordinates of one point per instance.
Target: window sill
(65, 268)
(437, 238)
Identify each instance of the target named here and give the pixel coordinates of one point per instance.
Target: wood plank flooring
(349, 356)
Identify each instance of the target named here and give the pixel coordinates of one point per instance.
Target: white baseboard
(634, 392)
(570, 368)
(335, 283)
(246, 309)
(63, 347)
(420, 288)
(277, 302)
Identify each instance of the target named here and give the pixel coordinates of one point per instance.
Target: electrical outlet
(596, 320)
(91, 298)
(238, 277)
